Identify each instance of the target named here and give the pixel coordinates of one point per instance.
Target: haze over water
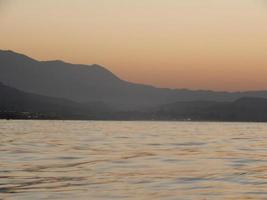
(132, 160)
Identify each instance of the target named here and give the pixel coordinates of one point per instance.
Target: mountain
(244, 109)
(18, 104)
(15, 104)
(94, 83)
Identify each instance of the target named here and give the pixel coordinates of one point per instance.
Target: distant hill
(15, 104)
(243, 109)
(18, 104)
(94, 83)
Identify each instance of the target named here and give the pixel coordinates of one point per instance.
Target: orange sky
(207, 44)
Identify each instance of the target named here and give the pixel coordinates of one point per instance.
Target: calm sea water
(132, 160)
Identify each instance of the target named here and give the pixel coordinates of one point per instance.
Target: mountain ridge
(19, 104)
(91, 83)
(16, 104)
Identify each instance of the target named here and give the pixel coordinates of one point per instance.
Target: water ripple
(132, 160)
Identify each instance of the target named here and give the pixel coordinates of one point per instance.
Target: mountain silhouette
(16, 104)
(244, 109)
(20, 104)
(94, 83)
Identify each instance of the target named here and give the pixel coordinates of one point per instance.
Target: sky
(194, 44)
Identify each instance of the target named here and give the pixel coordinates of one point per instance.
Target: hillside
(243, 109)
(18, 104)
(94, 83)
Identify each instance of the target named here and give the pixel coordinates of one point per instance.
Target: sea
(132, 160)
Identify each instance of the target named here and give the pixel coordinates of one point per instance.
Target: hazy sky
(197, 44)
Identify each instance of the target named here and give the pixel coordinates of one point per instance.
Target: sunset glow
(211, 44)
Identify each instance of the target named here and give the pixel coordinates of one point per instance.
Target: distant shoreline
(137, 120)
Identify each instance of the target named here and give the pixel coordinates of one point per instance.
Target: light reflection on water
(132, 160)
